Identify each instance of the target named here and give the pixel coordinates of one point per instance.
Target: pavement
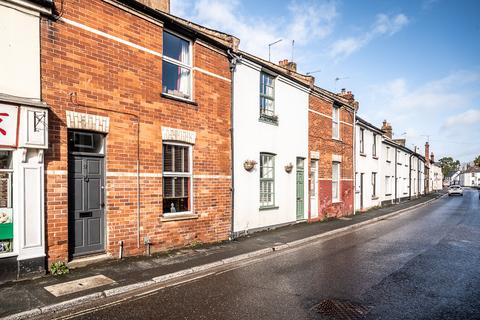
(30, 298)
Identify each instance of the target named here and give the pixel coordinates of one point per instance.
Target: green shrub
(59, 268)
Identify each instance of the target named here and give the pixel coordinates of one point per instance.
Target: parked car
(453, 190)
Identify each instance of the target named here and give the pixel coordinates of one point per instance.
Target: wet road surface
(424, 264)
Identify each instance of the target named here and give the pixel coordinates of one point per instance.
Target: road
(424, 264)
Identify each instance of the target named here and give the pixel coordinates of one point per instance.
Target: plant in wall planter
(289, 167)
(249, 165)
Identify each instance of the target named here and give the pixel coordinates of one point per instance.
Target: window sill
(374, 197)
(179, 99)
(375, 157)
(178, 216)
(337, 139)
(388, 194)
(268, 120)
(362, 154)
(336, 201)
(8, 255)
(388, 161)
(268, 208)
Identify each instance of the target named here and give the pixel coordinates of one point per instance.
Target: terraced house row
(127, 129)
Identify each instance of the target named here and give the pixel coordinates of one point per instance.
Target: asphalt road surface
(424, 264)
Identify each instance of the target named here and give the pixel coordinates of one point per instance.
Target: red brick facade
(320, 140)
(98, 71)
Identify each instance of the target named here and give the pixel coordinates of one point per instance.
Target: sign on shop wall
(8, 125)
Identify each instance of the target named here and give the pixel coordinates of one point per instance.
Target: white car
(455, 189)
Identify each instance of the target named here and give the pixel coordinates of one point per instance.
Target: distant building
(470, 177)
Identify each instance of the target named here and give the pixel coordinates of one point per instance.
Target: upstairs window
(388, 154)
(177, 176)
(374, 146)
(267, 97)
(335, 122)
(374, 184)
(176, 66)
(362, 139)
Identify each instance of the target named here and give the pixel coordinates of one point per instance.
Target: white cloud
(311, 20)
(469, 117)
(384, 25)
(303, 22)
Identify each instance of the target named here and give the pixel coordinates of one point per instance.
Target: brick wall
(122, 82)
(320, 139)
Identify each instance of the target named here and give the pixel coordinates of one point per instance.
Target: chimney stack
(387, 128)
(161, 5)
(348, 95)
(427, 152)
(432, 158)
(289, 65)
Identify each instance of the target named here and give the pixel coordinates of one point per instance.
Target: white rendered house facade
(270, 147)
(23, 140)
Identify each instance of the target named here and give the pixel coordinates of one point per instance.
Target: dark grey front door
(86, 204)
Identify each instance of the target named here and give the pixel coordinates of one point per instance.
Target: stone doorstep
(85, 261)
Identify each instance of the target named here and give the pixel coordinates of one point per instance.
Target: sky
(415, 64)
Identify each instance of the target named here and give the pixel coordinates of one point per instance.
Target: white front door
(314, 189)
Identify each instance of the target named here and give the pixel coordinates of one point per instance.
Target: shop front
(23, 139)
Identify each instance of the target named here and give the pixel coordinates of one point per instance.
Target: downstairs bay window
(177, 179)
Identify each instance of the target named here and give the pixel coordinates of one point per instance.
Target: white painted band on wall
(346, 123)
(56, 172)
(133, 174)
(109, 36)
(319, 113)
(206, 176)
(211, 74)
(131, 44)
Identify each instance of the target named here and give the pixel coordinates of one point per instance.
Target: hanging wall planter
(289, 168)
(249, 165)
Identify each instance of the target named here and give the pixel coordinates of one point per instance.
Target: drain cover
(341, 309)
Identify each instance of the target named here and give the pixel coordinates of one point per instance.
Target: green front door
(300, 189)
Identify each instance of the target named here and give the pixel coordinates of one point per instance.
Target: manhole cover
(341, 309)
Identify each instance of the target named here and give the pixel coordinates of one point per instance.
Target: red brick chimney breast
(162, 5)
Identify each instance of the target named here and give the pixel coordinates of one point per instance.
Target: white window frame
(335, 121)
(374, 146)
(180, 174)
(179, 63)
(362, 141)
(262, 179)
(388, 185)
(336, 182)
(388, 154)
(271, 98)
(374, 185)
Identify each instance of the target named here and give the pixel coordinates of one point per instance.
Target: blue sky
(414, 63)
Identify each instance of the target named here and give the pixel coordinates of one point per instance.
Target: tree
(449, 165)
(477, 161)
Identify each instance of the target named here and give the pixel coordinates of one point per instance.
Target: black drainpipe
(410, 177)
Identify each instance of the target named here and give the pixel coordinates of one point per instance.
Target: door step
(87, 260)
